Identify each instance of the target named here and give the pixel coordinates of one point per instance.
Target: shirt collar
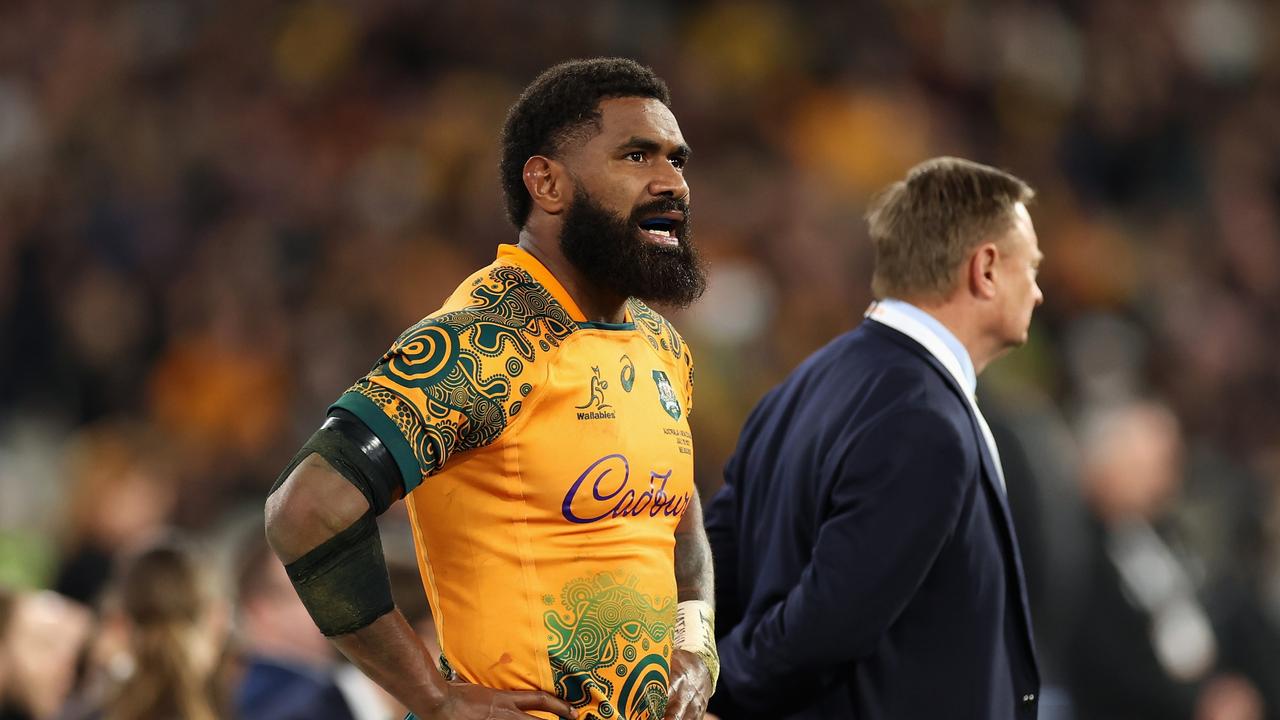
(933, 335)
(518, 256)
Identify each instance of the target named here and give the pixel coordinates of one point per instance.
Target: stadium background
(215, 215)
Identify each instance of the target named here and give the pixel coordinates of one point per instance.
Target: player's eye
(635, 156)
(678, 163)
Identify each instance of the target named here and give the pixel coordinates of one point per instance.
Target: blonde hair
(163, 593)
(923, 227)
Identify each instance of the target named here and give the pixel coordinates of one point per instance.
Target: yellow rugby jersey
(547, 462)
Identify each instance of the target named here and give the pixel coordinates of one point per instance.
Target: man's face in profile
(1020, 258)
(627, 226)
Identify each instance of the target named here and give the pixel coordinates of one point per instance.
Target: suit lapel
(990, 475)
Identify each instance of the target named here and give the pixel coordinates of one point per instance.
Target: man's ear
(982, 271)
(547, 183)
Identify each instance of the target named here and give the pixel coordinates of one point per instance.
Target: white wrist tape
(696, 632)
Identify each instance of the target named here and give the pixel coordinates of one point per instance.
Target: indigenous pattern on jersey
(547, 461)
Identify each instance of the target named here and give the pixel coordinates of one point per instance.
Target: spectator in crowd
(290, 665)
(123, 491)
(1143, 645)
(41, 637)
(176, 631)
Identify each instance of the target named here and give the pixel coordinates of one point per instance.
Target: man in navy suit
(866, 564)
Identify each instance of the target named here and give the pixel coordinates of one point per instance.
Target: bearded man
(536, 426)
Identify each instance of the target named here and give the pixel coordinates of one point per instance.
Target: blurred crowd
(216, 214)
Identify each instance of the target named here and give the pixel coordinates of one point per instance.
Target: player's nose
(668, 181)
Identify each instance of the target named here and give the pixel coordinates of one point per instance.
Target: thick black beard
(610, 253)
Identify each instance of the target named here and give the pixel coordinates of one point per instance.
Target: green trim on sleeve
(388, 432)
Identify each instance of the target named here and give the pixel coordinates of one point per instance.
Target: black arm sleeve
(343, 582)
(358, 455)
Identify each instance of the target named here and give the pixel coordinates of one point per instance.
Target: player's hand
(690, 687)
(467, 701)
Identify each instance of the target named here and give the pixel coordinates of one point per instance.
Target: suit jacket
(274, 690)
(866, 564)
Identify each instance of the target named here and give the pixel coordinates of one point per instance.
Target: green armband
(343, 582)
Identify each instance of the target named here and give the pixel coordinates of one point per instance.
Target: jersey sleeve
(454, 381)
(422, 402)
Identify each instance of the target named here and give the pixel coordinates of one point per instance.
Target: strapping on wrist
(695, 632)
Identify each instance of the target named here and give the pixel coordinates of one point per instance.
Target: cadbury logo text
(610, 494)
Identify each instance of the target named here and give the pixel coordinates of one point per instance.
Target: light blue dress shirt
(950, 340)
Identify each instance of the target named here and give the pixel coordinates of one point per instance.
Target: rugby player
(537, 428)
